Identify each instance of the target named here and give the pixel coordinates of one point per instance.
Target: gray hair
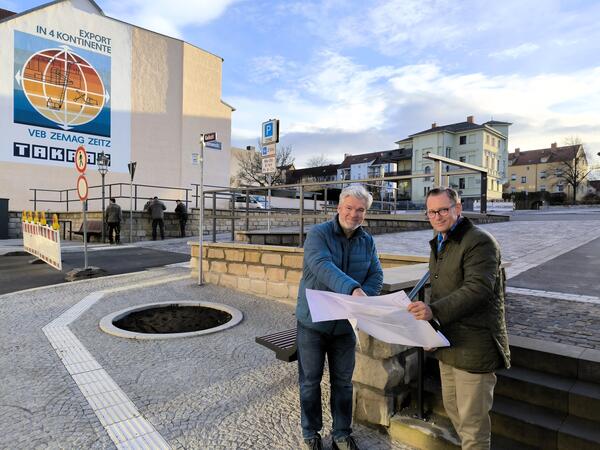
(357, 191)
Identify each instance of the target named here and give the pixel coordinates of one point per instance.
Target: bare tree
(250, 171)
(574, 171)
(318, 161)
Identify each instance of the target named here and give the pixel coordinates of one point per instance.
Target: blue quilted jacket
(332, 262)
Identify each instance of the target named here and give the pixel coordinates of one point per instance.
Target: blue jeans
(312, 348)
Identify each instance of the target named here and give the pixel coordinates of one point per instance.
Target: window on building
(427, 170)
(461, 183)
(498, 165)
(542, 187)
(471, 139)
(462, 140)
(558, 173)
(513, 190)
(487, 139)
(543, 174)
(493, 142)
(523, 179)
(560, 187)
(513, 177)
(426, 189)
(462, 159)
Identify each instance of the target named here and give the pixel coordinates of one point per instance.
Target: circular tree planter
(169, 320)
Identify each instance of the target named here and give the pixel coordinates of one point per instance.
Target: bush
(591, 199)
(558, 198)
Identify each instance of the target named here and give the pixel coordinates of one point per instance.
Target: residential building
(484, 145)
(540, 170)
(395, 162)
(313, 174)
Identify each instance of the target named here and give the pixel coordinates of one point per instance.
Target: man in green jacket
(467, 300)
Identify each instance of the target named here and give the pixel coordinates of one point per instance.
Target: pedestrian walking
(113, 217)
(182, 216)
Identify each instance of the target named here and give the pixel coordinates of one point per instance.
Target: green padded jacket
(467, 299)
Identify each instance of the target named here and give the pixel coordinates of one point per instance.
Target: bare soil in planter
(173, 319)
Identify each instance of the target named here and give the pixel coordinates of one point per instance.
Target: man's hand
(358, 292)
(420, 311)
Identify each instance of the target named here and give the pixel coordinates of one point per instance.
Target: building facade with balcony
(484, 145)
(541, 170)
(386, 163)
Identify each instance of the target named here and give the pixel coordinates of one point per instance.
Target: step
(437, 433)
(547, 429)
(555, 358)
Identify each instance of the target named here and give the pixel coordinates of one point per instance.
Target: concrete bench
(94, 228)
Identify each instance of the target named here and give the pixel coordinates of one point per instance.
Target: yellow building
(546, 170)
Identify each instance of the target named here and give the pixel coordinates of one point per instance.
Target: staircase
(549, 399)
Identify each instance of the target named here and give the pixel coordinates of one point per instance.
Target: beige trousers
(468, 399)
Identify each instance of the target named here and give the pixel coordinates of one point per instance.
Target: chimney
(433, 125)
(517, 151)
(470, 119)
(553, 145)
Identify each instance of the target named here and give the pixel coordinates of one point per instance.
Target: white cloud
(515, 52)
(325, 109)
(167, 16)
(267, 68)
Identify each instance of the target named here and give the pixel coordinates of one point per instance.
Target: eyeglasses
(443, 212)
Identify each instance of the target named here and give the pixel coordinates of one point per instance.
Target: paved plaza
(221, 390)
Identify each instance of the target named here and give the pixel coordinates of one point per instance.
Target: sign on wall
(65, 76)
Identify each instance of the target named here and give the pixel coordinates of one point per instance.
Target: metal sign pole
(201, 206)
(85, 256)
(131, 210)
(269, 181)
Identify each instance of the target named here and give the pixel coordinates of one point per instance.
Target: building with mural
(71, 77)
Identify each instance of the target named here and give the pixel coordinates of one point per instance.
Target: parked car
(254, 202)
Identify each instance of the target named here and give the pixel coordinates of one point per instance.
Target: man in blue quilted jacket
(339, 256)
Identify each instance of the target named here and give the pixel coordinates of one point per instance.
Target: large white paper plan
(384, 317)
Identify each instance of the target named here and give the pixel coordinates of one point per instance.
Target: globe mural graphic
(63, 87)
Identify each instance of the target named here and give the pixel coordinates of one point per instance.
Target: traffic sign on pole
(82, 188)
(269, 165)
(270, 132)
(81, 159)
(267, 150)
(208, 137)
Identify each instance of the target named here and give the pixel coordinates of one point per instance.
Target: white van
(254, 202)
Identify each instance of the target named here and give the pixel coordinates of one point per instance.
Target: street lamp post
(103, 162)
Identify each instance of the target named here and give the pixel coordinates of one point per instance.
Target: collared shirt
(440, 239)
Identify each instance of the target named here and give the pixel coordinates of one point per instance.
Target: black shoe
(347, 443)
(313, 443)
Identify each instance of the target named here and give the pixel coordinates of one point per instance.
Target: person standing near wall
(339, 256)
(156, 208)
(182, 216)
(113, 217)
(467, 300)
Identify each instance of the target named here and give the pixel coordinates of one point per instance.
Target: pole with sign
(206, 137)
(268, 152)
(131, 166)
(82, 192)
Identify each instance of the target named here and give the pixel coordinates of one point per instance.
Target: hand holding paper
(384, 317)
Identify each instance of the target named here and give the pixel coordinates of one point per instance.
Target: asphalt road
(16, 272)
(574, 272)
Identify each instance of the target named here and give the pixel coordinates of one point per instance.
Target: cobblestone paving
(549, 319)
(218, 391)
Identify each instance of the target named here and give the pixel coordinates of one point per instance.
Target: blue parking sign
(270, 131)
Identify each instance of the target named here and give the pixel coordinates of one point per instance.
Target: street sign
(216, 145)
(269, 165)
(131, 167)
(210, 137)
(82, 188)
(267, 150)
(270, 132)
(81, 159)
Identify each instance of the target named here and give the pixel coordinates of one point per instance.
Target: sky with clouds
(354, 76)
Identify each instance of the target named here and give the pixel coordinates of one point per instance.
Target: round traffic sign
(80, 160)
(82, 188)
